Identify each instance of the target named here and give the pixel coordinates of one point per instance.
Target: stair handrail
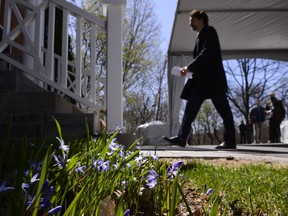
(48, 69)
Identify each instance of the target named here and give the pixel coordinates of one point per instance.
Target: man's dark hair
(201, 15)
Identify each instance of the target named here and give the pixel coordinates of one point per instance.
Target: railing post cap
(106, 3)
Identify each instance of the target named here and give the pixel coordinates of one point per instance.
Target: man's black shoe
(224, 146)
(176, 140)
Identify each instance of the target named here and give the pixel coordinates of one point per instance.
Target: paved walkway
(258, 152)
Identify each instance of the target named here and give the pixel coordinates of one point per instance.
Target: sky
(165, 11)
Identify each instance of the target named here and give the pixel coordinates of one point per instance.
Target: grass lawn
(243, 187)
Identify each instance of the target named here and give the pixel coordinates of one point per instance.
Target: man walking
(208, 82)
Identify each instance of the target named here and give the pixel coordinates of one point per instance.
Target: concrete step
(19, 93)
(42, 125)
(8, 81)
(17, 81)
(31, 110)
(72, 125)
(20, 125)
(34, 102)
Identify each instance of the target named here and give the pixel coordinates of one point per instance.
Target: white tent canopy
(246, 29)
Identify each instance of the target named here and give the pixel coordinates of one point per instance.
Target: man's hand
(184, 71)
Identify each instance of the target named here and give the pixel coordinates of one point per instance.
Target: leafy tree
(141, 43)
(144, 66)
(148, 103)
(143, 62)
(161, 88)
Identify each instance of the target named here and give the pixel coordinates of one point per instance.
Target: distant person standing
(249, 133)
(257, 117)
(276, 113)
(242, 129)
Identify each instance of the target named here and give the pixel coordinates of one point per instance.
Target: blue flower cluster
(46, 193)
(114, 160)
(170, 172)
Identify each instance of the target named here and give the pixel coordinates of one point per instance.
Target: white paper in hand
(176, 71)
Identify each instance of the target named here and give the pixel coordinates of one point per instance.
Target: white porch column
(114, 11)
(36, 39)
(28, 60)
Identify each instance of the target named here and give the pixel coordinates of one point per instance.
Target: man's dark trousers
(223, 108)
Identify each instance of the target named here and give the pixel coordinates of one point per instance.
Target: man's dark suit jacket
(209, 79)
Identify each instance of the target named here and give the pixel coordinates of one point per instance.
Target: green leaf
(133, 144)
(41, 181)
(58, 128)
(184, 198)
(173, 201)
(225, 211)
(87, 128)
(71, 209)
(72, 162)
(214, 209)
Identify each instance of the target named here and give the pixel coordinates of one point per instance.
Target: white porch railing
(26, 31)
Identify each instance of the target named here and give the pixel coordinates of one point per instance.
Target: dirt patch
(235, 162)
(231, 162)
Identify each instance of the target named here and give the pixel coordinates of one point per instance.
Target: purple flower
(105, 165)
(101, 164)
(154, 156)
(121, 152)
(127, 212)
(129, 165)
(80, 168)
(44, 205)
(173, 171)
(30, 200)
(138, 160)
(36, 167)
(54, 210)
(62, 146)
(176, 165)
(48, 194)
(59, 160)
(45, 185)
(94, 162)
(26, 173)
(34, 178)
(152, 179)
(4, 188)
(209, 191)
(44, 202)
(24, 187)
(113, 147)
